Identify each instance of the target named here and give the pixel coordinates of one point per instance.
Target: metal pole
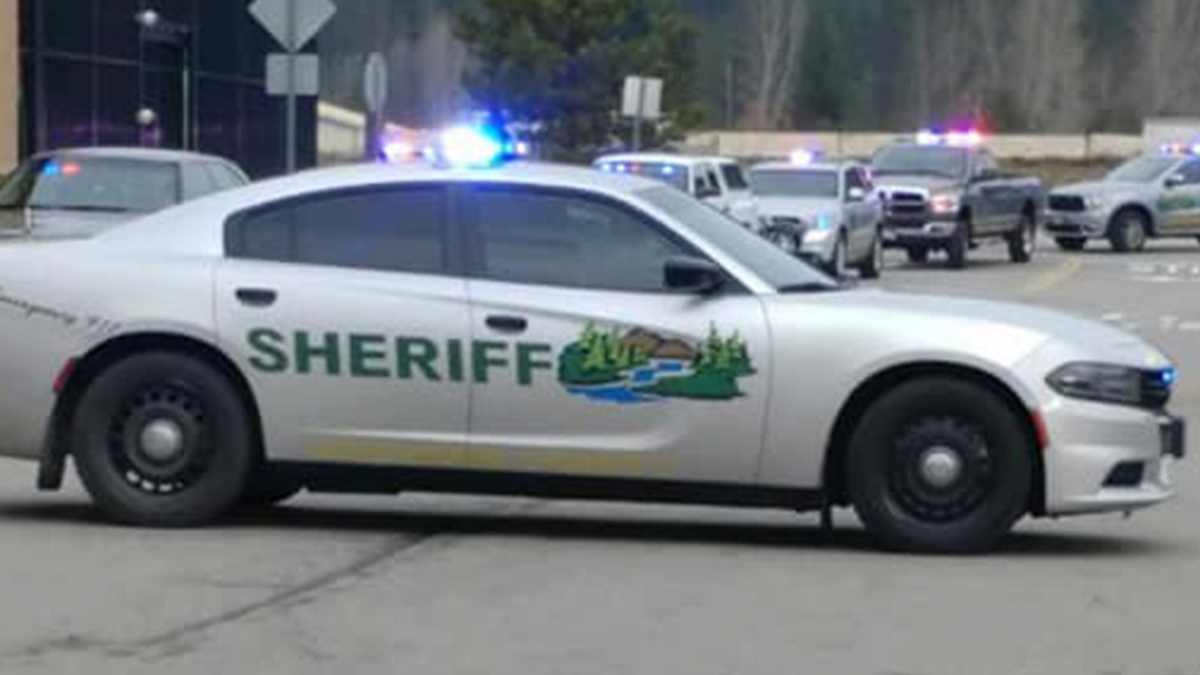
(291, 93)
(637, 118)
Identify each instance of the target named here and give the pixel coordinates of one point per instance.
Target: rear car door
(1179, 205)
(345, 312)
(584, 364)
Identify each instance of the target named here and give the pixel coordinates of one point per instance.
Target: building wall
(9, 84)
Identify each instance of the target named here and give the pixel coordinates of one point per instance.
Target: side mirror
(692, 275)
(1175, 180)
(856, 194)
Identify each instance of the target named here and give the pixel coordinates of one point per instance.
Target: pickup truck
(939, 196)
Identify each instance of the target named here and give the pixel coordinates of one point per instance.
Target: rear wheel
(1071, 243)
(917, 254)
(940, 465)
(1023, 242)
(956, 248)
(164, 440)
(873, 265)
(1128, 231)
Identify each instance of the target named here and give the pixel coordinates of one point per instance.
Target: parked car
(827, 213)
(551, 331)
(79, 192)
(946, 192)
(718, 181)
(1153, 196)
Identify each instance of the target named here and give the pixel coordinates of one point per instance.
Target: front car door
(584, 364)
(343, 311)
(1179, 205)
(858, 212)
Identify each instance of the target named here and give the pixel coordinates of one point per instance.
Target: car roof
(135, 153)
(656, 158)
(783, 165)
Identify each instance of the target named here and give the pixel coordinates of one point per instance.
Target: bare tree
(774, 31)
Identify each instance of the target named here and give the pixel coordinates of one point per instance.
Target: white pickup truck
(718, 181)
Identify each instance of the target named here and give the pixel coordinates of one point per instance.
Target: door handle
(507, 324)
(256, 297)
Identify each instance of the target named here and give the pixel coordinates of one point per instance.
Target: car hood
(805, 208)
(59, 224)
(1099, 187)
(920, 182)
(995, 331)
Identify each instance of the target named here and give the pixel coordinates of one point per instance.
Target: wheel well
(835, 469)
(100, 358)
(1151, 225)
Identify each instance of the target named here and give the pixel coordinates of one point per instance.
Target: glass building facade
(91, 74)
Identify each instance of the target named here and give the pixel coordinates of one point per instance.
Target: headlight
(816, 235)
(1097, 201)
(1113, 384)
(945, 202)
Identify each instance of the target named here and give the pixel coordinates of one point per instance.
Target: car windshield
(774, 266)
(91, 184)
(794, 183)
(921, 160)
(675, 175)
(1142, 169)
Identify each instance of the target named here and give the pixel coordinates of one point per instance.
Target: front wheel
(873, 265)
(163, 440)
(940, 465)
(836, 266)
(1128, 231)
(956, 248)
(1023, 242)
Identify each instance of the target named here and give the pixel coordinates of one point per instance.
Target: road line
(1052, 278)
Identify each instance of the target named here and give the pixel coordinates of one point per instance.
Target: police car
(717, 181)
(826, 212)
(554, 332)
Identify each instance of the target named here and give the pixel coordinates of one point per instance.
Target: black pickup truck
(943, 197)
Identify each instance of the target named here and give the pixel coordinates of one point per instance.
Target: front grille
(1156, 389)
(1070, 203)
(786, 223)
(906, 204)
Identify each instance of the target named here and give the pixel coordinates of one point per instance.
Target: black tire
(1071, 243)
(872, 266)
(917, 254)
(1022, 243)
(197, 465)
(958, 245)
(894, 439)
(1128, 231)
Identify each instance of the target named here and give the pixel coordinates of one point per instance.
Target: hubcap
(162, 440)
(940, 466)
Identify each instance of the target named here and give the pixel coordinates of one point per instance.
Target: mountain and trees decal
(638, 365)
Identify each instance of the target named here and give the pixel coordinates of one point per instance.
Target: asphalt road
(435, 585)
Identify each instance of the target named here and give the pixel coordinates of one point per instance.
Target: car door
(712, 192)
(584, 364)
(1179, 204)
(857, 212)
(991, 197)
(344, 311)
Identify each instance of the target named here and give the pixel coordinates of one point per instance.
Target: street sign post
(375, 93)
(292, 23)
(641, 100)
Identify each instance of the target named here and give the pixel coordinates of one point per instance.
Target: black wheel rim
(940, 469)
(160, 440)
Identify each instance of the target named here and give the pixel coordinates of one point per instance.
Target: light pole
(154, 28)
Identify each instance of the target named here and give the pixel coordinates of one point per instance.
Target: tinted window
(1142, 169)
(734, 178)
(920, 160)
(531, 237)
(396, 230)
(92, 184)
(794, 183)
(713, 182)
(987, 165)
(1190, 173)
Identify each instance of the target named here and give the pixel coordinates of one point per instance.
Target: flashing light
(471, 147)
(397, 151)
(1167, 376)
(958, 138)
(803, 157)
(54, 169)
(1180, 149)
(668, 170)
(824, 221)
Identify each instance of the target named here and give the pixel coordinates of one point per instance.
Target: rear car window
(92, 184)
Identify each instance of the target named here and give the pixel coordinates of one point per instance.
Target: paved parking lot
(471, 585)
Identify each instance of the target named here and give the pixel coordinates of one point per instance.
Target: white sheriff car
(555, 332)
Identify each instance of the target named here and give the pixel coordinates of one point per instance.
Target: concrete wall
(340, 134)
(10, 80)
(748, 144)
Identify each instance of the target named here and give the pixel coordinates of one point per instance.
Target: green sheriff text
(370, 355)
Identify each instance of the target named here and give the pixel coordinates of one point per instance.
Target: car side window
(713, 181)
(734, 177)
(1190, 173)
(986, 165)
(222, 177)
(197, 181)
(565, 239)
(393, 229)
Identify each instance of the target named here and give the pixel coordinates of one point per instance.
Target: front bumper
(931, 230)
(1108, 457)
(1078, 224)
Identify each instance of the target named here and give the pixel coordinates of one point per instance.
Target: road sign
(301, 78)
(641, 100)
(293, 22)
(375, 83)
